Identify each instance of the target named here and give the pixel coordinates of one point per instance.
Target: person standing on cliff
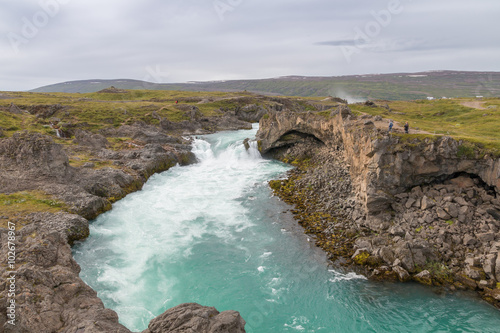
(391, 124)
(407, 127)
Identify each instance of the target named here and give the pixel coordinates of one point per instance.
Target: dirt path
(398, 127)
(475, 105)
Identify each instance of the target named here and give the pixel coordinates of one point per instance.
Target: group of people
(406, 127)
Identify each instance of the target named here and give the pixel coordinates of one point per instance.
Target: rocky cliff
(381, 165)
(84, 177)
(416, 205)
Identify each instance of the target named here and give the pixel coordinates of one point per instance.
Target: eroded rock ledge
(406, 207)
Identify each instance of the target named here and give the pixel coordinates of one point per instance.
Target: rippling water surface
(211, 233)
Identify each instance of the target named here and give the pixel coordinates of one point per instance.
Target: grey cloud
(258, 38)
(345, 42)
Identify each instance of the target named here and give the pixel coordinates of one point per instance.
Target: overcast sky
(49, 41)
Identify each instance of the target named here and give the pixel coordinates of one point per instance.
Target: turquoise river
(212, 233)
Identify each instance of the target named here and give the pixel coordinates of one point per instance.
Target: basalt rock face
(204, 125)
(33, 155)
(420, 208)
(381, 166)
(251, 113)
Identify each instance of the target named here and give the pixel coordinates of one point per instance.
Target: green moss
(266, 116)
(466, 151)
(259, 145)
(275, 185)
(419, 229)
(361, 259)
(449, 222)
(289, 137)
(440, 271)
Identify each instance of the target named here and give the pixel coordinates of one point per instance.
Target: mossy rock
(374, 261)
(361, 258)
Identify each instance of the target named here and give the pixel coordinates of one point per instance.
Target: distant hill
(399, 86)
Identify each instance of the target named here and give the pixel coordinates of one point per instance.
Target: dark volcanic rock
(88, 139)
(251, 113)
(50, 295)
(31, 156)
(45, 111)
(192, 317)
(13, 108)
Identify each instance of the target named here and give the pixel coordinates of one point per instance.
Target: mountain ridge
(392, 86)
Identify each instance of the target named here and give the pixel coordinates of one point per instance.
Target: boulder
(13, 108)
(469, 240)
(192, 317)
(461, 201)
(406, 258)
(72, 227)
(45, 111)
(489, 265)
(424, 277)
(472, 262)
(410, 203)
(473, 273)
(497, 268)
(494, 212)
(452, 209)
(427, 203)
(486, 236)
(387, 255)
(442, 214)
(402, 273)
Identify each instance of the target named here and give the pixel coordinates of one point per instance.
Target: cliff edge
(412, 206)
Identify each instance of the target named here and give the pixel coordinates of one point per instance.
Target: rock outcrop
(13, 108)
(50, 295)
(192, 317)
(381, 165)
(406, 207)
(31, 156)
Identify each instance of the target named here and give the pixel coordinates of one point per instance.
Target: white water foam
(160, 225)
(345, 277)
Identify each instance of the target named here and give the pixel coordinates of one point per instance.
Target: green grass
(99, 110)
(446, 117)
(20, 203)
